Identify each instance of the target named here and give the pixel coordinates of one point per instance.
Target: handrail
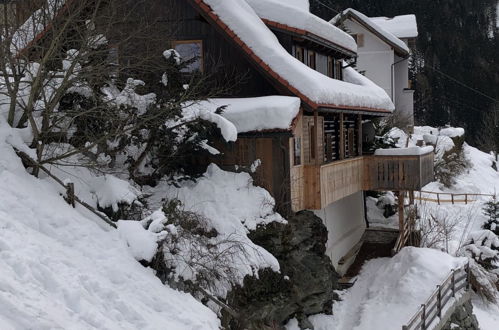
(457, 280)
(453, 196)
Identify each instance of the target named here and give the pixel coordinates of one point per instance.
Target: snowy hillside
(62, 269)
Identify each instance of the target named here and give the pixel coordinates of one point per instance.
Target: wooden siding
(399, 172)
(341, 179)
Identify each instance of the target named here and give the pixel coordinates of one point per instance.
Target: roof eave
(310, 36)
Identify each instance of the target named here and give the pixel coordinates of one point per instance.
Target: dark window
(313, 138)
(338, 74)
(330, 66)
(297, 150)
(191, 50)
(311, 59)
(300, 54)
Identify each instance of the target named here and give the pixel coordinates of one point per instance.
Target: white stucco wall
(375, 57)
(345, 224)
(404, 99)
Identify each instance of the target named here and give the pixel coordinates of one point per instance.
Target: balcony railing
(316, 186)
(405, 172)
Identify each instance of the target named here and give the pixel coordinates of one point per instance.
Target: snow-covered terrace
(240, 22)
(286, 16)
(399, 46)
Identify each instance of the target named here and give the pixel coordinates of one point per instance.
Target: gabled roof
(398, 45)
(403, 26)
(237, 21)
(281, 15)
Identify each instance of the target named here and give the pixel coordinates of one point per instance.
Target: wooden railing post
(452, 198)
(466, 199)
(423, 317)
(70, 194)
(439, 301)
(453, 283)
(468, 276)
(438, 198)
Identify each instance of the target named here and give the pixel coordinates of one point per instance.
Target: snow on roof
(240, 21)
(374, 27)
(36, 25)
(287, 14)
(403, 26)
(301, 4)
(256, 113)
(411, 151)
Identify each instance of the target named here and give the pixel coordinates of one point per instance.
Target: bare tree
(90, 79)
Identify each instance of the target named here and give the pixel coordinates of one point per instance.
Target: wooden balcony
(316, 186)
(398, 173)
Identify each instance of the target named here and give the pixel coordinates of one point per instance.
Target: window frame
(174, 43)
(297, 150)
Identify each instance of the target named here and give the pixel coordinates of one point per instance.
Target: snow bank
(59, 269)
(291, 15)
(452, 132)
(403, 26)
(245, 23)
(372, 24)
(256, 114)
(389, 289)
(412, 151)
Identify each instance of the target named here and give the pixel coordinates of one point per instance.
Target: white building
(384, 55)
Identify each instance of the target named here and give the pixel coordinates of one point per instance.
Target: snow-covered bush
(450, 160)
(482, 248)
(491, 210)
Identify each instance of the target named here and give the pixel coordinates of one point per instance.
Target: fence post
(423, 318)
(70, 194)
(468, 276)
(466, 199)
(439, 301)
(438, 198)
(452, 198)
(453, 283)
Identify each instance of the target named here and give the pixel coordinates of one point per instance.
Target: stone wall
(462, 318)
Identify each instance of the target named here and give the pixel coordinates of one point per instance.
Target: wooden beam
(359, 132)
(342, 136)
(316, 132)
(401, 212)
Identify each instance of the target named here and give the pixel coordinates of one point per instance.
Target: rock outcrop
(304, 286)
(463, 319)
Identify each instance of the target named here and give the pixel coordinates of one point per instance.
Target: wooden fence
(455, 283)
(443, 198)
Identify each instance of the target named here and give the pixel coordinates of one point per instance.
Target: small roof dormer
(399, 46)
(293, 17)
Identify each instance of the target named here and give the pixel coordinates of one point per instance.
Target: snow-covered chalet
(300, 108)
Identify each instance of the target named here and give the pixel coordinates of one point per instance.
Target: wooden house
(309, 145)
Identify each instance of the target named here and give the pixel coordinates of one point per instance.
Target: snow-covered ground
(60, 268)
(389, 291)
(479, 178)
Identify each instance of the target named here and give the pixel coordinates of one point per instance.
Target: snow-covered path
(61, 270)
(389, 291)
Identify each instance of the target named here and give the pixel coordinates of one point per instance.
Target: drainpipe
(392, 76)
